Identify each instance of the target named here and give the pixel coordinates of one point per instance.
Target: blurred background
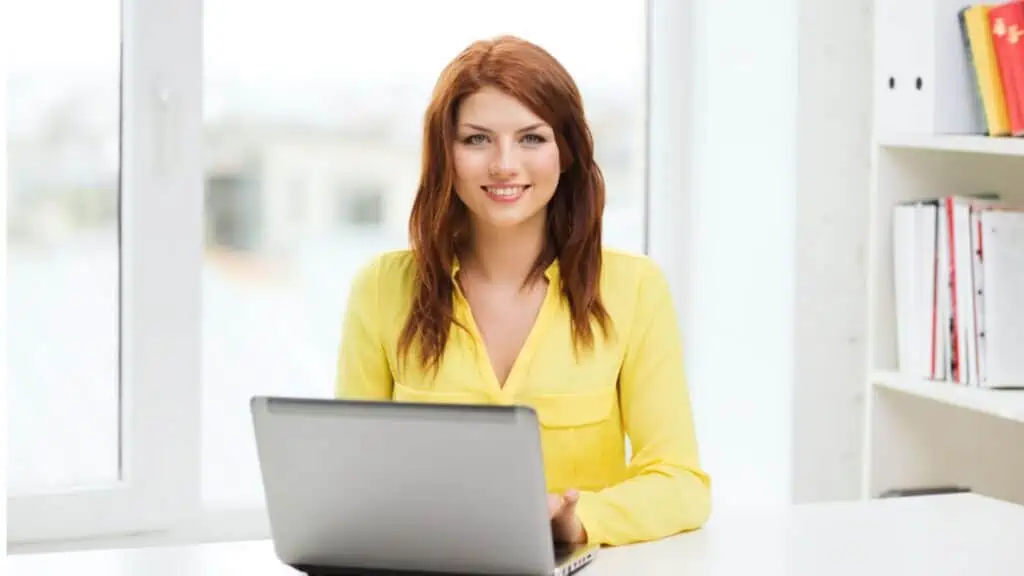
(736, 152)
(312, 127)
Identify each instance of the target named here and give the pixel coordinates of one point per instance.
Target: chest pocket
(581, 437)
(403, 393)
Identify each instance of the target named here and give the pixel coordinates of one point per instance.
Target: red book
(1007, 22)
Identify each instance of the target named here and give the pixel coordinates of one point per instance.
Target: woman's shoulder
(391, 270)
(394, 264)
(636, 292)
(631, 279)
(633, 268)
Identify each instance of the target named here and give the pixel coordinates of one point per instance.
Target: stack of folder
(994, 41)
(958, 272)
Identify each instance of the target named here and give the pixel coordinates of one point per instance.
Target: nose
(505, 163)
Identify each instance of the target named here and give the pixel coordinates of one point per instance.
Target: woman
(507, 296)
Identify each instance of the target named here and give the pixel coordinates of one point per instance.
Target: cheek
(545, 166)
(469, 165)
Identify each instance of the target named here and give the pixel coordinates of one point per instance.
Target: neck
(505, 256)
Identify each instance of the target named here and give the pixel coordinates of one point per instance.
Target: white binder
(1002, 233)
(924, 80)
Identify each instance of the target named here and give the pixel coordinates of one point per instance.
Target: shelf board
(1000, 146)
(1002, 403)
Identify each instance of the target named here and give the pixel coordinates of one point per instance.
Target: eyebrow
(524, 129)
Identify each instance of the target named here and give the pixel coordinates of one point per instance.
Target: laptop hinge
(339, 571)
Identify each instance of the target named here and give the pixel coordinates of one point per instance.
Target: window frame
(162, 198)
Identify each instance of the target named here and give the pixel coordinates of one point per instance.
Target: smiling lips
(505, 192)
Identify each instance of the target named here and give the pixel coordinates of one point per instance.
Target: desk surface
(936, 535)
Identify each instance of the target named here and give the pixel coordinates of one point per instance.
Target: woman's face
(506, 161)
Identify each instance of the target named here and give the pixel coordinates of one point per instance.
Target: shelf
(1002, 146)
(1007, 404)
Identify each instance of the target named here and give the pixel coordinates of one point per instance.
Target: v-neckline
(525, 354)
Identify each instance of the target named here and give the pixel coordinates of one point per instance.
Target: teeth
(505, 191)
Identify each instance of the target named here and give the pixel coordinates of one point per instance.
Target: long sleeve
(363, 371)
(666, 491)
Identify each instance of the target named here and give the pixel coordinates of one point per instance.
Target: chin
(508, 218)
(504, 221)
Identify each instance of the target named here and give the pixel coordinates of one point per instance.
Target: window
(232, 212)
(83, 454)
(360, 205)
(192, 188)
(104, 212)
(63, 251)
(336, 99)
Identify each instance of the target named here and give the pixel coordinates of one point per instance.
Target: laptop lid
(404, 486)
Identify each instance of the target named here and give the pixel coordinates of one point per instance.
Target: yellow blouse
(632, 384)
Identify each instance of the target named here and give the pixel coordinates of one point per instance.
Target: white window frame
(671, 37)
(161, 231)
(162, 206)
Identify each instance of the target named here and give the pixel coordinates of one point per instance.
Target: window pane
(312, 144)
(63, 136)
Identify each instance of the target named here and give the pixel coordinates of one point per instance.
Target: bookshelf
(998, 404)
(955, 143)
(920, 432)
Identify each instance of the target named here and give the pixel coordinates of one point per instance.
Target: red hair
(438, 224)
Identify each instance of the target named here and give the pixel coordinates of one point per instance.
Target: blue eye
(475, 139)
(534, 139)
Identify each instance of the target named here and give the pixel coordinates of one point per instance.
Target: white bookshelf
(955, 143)
(918, 432)
(1005, 404)
(921, 433)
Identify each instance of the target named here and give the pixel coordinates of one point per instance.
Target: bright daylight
(310, 165)
(811, 258)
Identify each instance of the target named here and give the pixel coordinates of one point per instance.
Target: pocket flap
(568, 410)
(402, 393)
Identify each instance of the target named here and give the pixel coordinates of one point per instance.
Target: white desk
(929, 536)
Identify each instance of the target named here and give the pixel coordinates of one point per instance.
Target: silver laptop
(355, 487)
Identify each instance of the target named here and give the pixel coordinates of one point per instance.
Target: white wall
(741, 317)
(772, 194)
(833, 150)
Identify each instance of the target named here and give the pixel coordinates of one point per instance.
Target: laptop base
(568, 560)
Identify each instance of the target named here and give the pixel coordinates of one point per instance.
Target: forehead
(496, 110)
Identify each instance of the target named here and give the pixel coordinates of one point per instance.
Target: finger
(555, 503)
(568, 508)
(566, 524)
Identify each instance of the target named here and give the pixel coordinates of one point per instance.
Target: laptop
(364, 487)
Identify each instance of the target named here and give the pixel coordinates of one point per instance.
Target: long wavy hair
(439, 222)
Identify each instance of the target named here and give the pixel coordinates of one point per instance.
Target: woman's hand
(565, 524)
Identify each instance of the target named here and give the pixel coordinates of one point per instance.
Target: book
(1007, 29)
(956, 261)
(980, 48)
